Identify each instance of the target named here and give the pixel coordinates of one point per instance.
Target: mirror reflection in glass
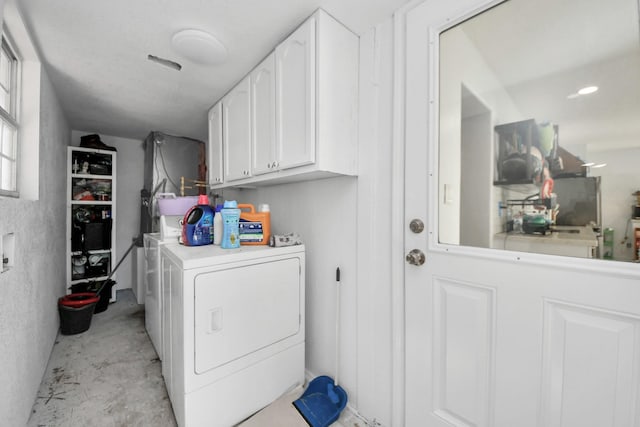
(539, 129)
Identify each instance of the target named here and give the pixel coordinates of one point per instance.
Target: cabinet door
(236, 314)
(236, 131)
(263, 110)
(296, 97)
(214, 148)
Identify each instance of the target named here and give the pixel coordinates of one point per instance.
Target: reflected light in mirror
(506, 129)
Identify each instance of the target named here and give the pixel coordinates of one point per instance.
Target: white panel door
(499, 338)
(296, 97)
(263, 110)
(214, 147)
(236, 131)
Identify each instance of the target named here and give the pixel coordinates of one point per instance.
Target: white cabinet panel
(236, 132)
(263, 110)
(223, 331)
(295, 83)
(302, 118)
(214, 147)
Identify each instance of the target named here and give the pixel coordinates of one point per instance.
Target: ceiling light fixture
(166, 62)
(586, 165)
(601, 165)
(584, 91)
(199, 46)
(587, 90)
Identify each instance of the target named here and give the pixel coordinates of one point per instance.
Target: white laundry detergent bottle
(217, 226)
(230, 225)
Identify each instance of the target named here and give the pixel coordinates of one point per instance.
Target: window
(533, 157)
(8, 119)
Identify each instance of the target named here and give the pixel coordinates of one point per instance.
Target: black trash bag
(93, 141)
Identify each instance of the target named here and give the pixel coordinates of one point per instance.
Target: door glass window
(539, 136)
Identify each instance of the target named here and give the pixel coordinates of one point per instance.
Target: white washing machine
(152, 290)
(233, 329)
(170, 230)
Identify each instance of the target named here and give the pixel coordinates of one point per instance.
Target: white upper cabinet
(214, 148)
(236, 132)
(263, 110)
(295, 117)
(295, 102)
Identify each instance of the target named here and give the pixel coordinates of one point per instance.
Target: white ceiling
(95, 53)
(544, 50)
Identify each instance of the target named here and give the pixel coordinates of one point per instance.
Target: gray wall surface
(28, 307)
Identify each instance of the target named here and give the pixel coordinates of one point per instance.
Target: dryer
(233, 329)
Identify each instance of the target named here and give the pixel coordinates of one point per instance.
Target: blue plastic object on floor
(322, 402)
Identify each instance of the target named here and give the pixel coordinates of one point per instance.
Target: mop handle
(337, 325)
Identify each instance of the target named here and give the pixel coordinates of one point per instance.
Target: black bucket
(75, 313)
(105, 293)
(105, 296)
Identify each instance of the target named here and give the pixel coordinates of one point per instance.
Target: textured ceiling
(95, 53)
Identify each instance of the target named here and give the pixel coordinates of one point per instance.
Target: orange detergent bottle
(255, 227)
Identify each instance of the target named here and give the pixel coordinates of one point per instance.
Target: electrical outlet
(7, 249)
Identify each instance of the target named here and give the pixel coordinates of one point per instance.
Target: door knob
(415, 257)
(416, 225)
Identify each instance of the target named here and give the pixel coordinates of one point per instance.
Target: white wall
(130, 177)
(461, 64)
(619, 180)
(345, 222)
(324, 214)
(28, 307)
(373, 397)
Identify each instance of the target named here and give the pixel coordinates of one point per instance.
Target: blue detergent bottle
(197, 225)
(230, 225)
